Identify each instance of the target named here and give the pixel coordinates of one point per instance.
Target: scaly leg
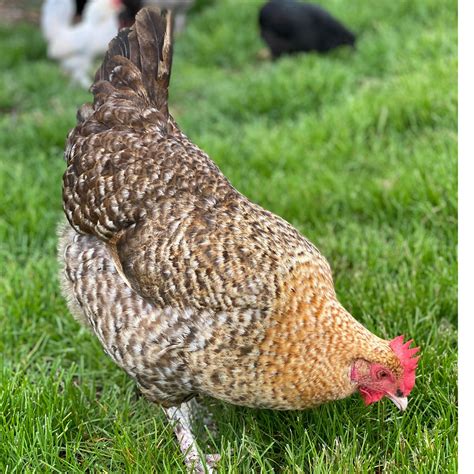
(182, 417)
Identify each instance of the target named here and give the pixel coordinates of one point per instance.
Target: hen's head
(392, 376)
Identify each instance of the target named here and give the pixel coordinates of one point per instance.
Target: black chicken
(290, 27)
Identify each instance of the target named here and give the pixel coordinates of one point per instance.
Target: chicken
(290, 27)
(80, 4)
(178, 8)
(190, 287)
(76, 45)
(126, 15)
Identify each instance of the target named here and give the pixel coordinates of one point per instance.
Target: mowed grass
(357, 149)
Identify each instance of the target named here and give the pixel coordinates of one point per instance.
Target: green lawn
(357, 150)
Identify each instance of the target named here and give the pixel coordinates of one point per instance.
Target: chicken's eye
(382, 374)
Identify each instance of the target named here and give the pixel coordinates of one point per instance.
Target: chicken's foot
(182, 417)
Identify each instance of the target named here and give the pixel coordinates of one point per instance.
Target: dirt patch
(20, 11)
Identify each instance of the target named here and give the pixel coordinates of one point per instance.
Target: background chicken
(189, 286)
(179, 9)
(131, 8)
(126, 15)
(288, 26)
(76, 45)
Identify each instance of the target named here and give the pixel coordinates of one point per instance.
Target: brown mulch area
(15, 11)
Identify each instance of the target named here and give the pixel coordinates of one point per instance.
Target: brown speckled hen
(189, 286)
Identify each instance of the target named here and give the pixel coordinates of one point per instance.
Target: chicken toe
(182, 418)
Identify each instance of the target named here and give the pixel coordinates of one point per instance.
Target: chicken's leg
(182, 417)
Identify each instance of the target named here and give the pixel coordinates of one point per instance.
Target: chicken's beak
(400, 402)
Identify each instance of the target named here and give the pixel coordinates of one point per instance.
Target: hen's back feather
(178, 231)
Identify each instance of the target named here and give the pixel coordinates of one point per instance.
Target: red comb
(408, 361)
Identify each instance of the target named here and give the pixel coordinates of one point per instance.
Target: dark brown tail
(148, 45)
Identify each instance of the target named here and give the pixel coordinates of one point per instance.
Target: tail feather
(118, 46)
(147, 44)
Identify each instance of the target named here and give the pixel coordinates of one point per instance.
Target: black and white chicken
(76, 45)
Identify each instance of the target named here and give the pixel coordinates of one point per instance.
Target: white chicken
(76, 45)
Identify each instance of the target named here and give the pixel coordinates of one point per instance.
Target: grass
(357, 150)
